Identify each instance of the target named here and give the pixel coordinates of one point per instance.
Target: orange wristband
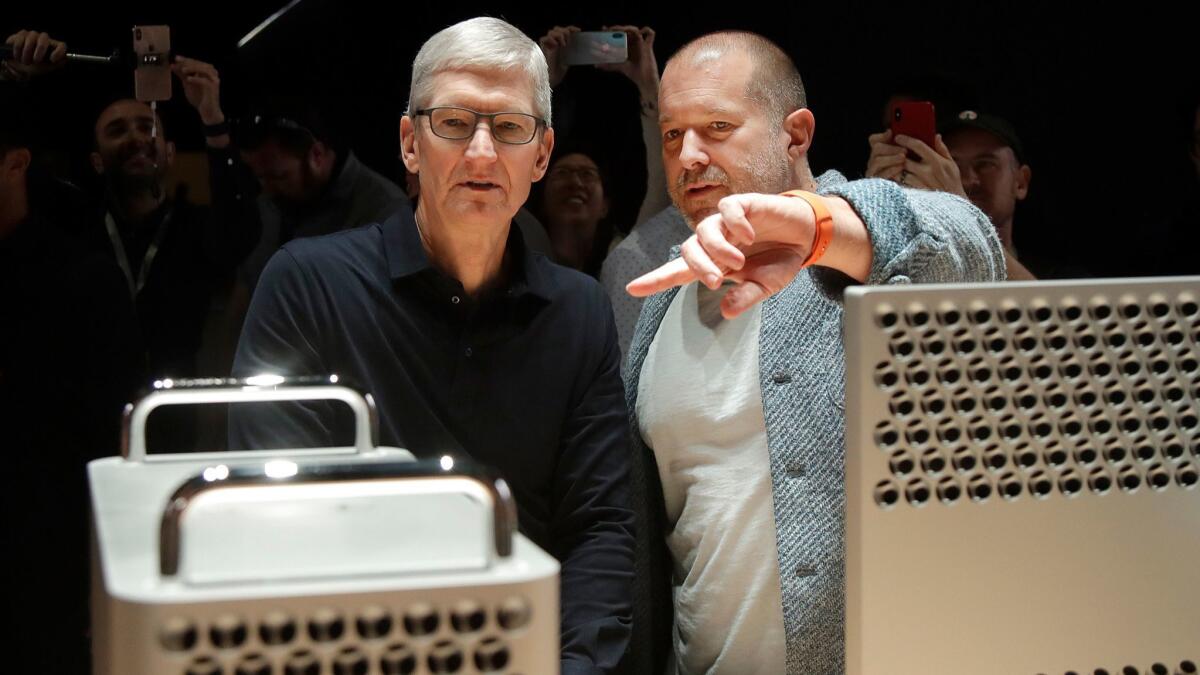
(824, 229)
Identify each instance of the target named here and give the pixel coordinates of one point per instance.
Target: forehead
(493, 90)
(710, 84)
(124, 111)
(576, 160)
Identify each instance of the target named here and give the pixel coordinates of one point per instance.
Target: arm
(882, 234)
(281, 336)
(922, 236)
(234, 225)
(934, 170)
(642, 69)
(592, 525)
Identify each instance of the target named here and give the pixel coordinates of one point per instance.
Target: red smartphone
(152, 69)
(914, 119)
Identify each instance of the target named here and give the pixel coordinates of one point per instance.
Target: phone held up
(916, 120)
(592, 47)
(152, 63)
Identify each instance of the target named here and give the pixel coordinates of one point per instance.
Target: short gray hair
(480, 43)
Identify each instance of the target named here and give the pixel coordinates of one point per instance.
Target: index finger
(881, 137)
(918, 146)
(674, 273)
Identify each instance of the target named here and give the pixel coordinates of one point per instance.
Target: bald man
(735, 384)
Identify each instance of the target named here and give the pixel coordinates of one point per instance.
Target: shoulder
(339, 255)
(568, 288)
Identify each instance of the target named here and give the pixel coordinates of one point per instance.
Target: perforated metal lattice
(1069, 396)
(1185, 667)
(468, 637)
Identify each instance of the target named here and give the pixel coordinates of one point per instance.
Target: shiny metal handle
(468, 477)
(249, 390)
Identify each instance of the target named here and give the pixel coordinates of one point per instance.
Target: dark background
(1098, 97)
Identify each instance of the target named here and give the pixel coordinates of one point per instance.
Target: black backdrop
(1096, 95)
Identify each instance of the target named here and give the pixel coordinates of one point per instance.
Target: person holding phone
(981, 159)
(174, 256)
(911, 152)
(659, 225)
(641, 67)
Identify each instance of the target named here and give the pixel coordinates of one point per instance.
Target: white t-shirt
(699, 407)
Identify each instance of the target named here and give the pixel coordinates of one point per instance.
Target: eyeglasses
(457, 124)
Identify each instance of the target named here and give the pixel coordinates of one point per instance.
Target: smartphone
(152, 63)
(592, 47)
(914, 119)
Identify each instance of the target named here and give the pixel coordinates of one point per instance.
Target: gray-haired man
(469, 341)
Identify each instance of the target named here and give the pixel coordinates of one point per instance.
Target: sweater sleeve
(922, 236)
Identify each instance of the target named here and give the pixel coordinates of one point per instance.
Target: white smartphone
(599, 46)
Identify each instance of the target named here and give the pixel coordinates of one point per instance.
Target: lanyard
(135, 287)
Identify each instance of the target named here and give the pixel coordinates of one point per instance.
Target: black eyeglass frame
(491, 119)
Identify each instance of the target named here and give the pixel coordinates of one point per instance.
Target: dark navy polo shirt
(525, 378)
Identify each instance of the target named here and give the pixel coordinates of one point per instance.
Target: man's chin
(696, 210)
(694, 213)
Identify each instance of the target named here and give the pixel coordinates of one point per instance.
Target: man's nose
(692, 153)
(482, 147)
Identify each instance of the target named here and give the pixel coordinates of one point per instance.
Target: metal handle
(263, 388)
(472, 478)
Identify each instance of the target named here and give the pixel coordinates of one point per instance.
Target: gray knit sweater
(917, 237)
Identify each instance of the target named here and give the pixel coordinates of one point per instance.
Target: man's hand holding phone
(628, 50)
(641, 67)
(912, 153)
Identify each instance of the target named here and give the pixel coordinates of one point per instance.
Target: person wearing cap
(991, 164)
(978, 156)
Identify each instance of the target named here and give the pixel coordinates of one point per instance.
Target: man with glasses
(469, 343)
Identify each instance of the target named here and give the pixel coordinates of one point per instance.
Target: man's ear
(17, 160)
(799, 127)
(170, 149)
(97, 163)
(545, 147)
(1021, 183)
(408, 145)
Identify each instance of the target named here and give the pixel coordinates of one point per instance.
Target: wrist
(823, 230)
(648, 91)
(212, 117)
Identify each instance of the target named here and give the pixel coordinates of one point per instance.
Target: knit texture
(917, 236)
